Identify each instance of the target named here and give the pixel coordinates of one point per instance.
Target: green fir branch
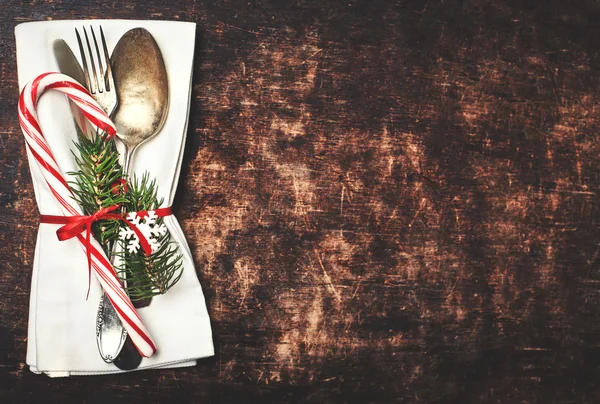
(94, 187)
(152, 275)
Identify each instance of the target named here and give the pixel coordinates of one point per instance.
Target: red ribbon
(75, 225)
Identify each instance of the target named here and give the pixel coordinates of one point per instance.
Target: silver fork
(103, 89)
(110, 333)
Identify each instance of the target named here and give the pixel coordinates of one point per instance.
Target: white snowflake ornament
(134, 245)
(133, 218)
(126, 233)
(151, 218)
(147, 226)
(159, 230)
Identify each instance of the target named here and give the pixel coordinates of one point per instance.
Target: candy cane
(40, 151)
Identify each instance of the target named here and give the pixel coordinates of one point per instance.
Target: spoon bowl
(142, 89)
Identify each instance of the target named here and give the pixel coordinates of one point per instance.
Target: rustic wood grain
(386, 202)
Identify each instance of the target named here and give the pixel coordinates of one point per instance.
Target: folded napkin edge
(24, 25)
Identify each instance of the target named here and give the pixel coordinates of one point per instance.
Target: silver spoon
(142, 90)
(143, 100)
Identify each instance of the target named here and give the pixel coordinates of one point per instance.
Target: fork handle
(111, 336)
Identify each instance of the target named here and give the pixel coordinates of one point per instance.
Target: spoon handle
(110, 333)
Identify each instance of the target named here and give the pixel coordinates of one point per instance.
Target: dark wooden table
(386, 202)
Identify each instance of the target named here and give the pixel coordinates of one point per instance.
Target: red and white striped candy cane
(40, 151)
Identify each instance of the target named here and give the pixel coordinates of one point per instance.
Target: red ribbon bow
(75, 225)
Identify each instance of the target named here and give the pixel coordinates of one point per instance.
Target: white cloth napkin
(62, 323)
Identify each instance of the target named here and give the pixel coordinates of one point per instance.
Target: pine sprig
(97, 184)
(152, 275)
(94, 183)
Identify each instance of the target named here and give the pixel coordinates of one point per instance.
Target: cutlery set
(132, 89)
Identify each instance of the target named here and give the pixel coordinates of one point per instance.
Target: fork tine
(86, 71)
(100, 81)
(87, 40)
(101, 70)
(108, 77)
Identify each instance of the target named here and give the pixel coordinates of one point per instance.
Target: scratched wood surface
(386, 202)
